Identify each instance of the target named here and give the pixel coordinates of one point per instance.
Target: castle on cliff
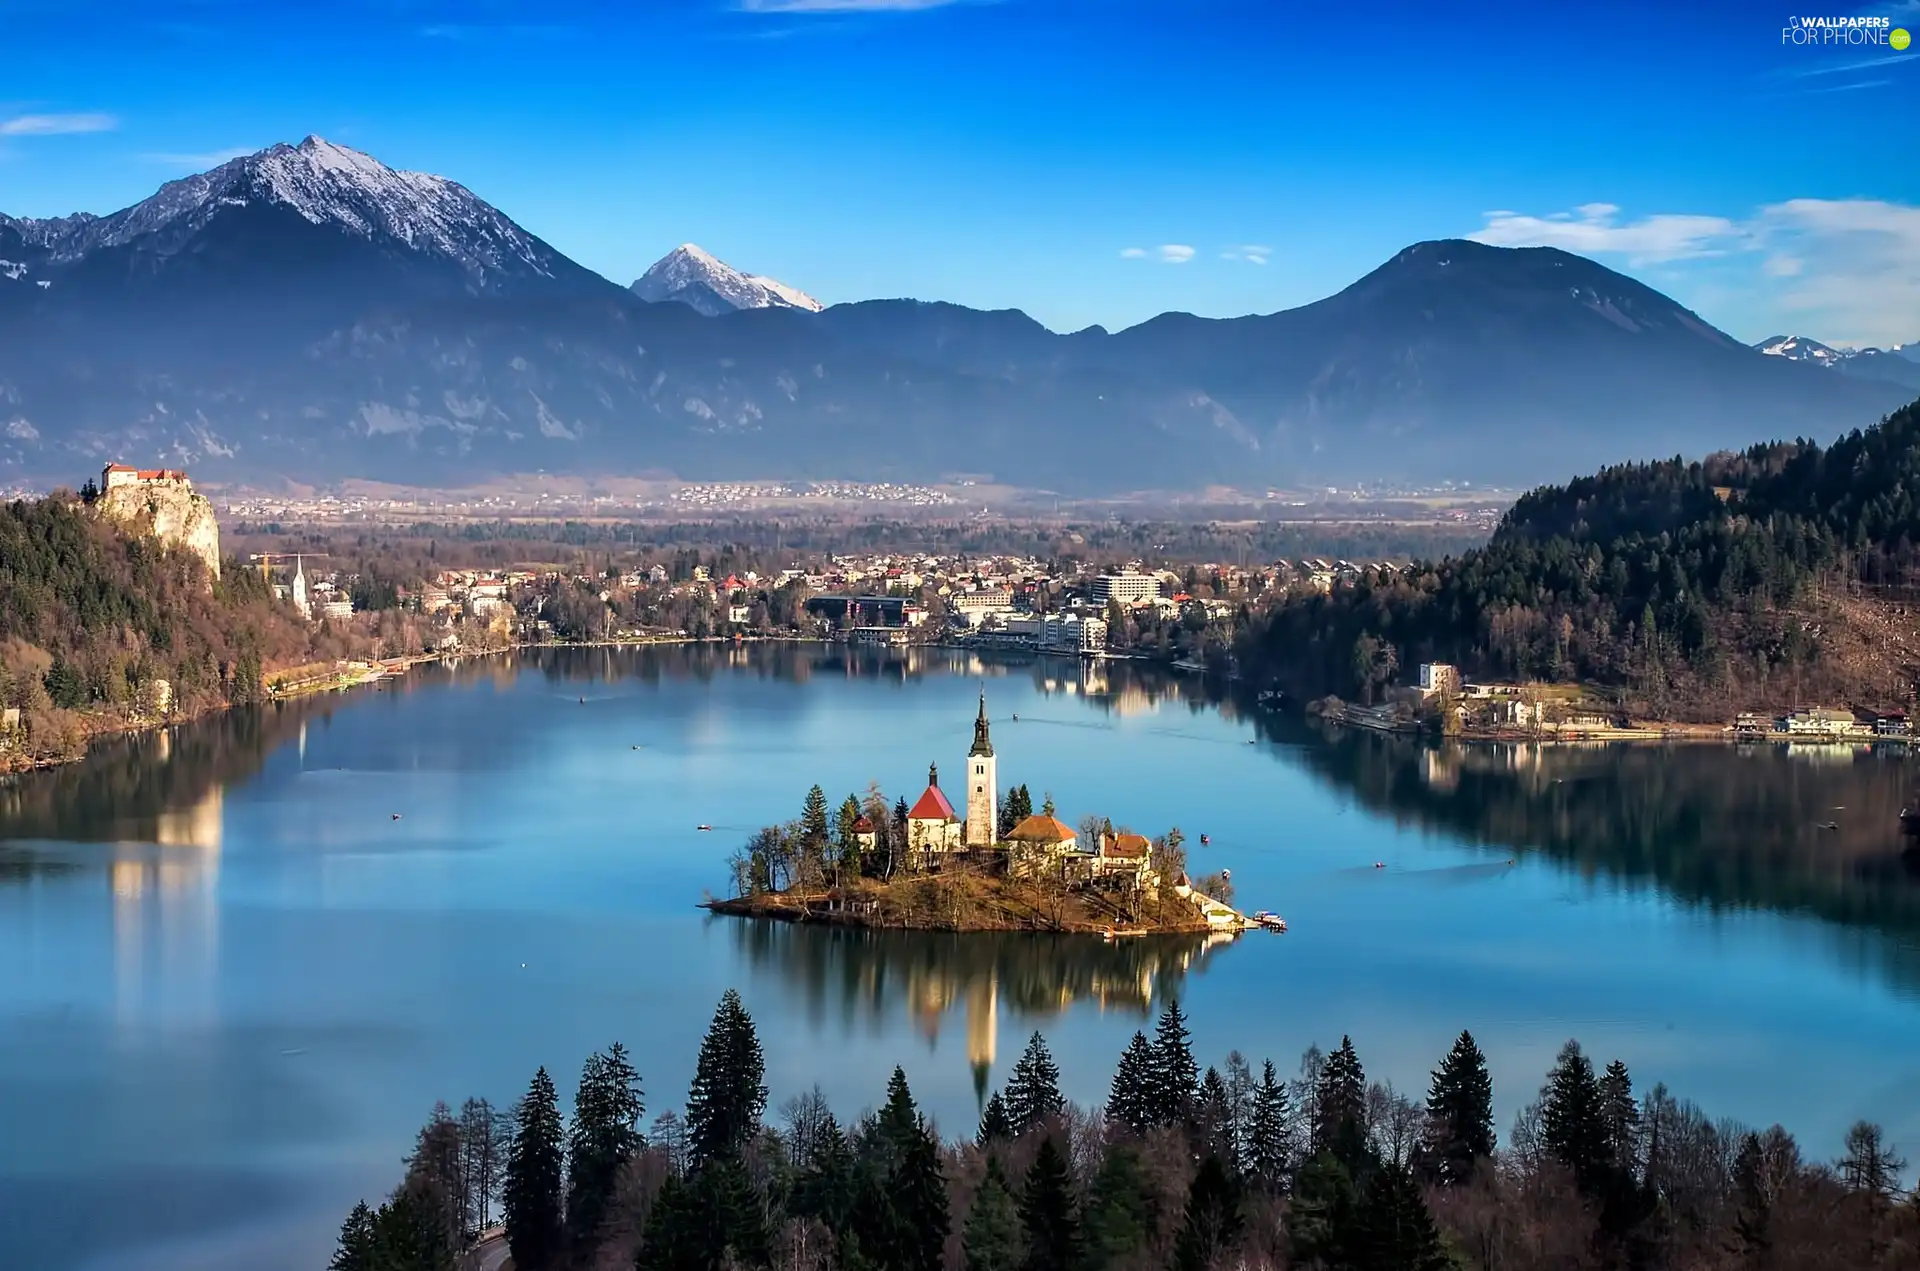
(162, 502)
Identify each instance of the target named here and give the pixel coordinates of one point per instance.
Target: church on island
(938, 837)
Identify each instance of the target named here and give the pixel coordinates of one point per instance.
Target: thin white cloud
(1859, 279)
(1844, 271)
(56, 125)
(1250, 253)
(206, 159)
(844, 6)
(1594, 227)
(1166, 253)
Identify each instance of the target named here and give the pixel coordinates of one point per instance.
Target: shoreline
(958, 904)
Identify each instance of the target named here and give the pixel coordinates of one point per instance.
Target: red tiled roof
(1130, 845)
(863, 826)
(933, 806)
(1041, 829)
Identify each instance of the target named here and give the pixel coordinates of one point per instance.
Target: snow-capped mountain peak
(1798, 348)
(326, 184)
(695, 277)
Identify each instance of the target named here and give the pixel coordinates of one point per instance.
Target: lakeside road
(490, 1254)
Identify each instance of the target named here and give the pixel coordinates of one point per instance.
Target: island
(1001, 867)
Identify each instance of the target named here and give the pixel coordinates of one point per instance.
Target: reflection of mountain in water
(1808, 829)
(873, 974)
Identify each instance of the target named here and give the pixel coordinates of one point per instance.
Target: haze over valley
(307, 314)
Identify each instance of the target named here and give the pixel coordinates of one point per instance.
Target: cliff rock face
(172, 513)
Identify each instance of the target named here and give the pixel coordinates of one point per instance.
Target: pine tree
(1212, 1221)
(1033, 1092)
(1120, 1216)
(1320, 1215)
(1340, 1107)
(409, 1233)
(729, 1093)
(1176, 1077)
(1753, 1215)
(1047, 1213)
(1131, 1100)
(605, 1134)
(826, 1188)
(995, 1123)
(1270, 1133)
(1213, 1119)
(1620, 1117)
(1392, 1230)
(355, 1252)
(1571, 1124)
(899, 1121)
(991, 1239)
(531, 1199)
(847, 839)
(917, 1191)
(1459, 1114)
(813, 821)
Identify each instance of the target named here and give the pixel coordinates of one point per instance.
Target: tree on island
(1015, 807)
(814, 835)
(846, 840)
(1046, 808)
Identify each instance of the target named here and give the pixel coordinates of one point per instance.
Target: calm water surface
(232, 985)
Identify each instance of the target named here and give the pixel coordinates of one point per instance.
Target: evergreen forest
(1184, 1167)
(1773, 577)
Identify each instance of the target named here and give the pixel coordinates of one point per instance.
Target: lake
(235, 983)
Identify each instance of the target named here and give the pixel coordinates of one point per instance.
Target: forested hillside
(1766, 578)
(93, 618)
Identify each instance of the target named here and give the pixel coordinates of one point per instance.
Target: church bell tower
(983, 786)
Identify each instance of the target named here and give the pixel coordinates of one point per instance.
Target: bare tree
(806, 1115)
(482, 1158)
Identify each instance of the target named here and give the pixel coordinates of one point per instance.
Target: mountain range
(1900, 364)
(307, 313)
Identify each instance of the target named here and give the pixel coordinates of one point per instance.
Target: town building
(1438, 679)
(1816, 721)
(1126, 587)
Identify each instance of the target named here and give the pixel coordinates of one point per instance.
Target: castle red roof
(863, 826)
(933, 806)
(1128, 845)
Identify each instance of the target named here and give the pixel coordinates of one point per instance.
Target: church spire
(982, 744)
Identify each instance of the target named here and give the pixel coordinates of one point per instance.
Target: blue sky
(1085, 160)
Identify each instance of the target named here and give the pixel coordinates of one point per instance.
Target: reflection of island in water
(873, 974)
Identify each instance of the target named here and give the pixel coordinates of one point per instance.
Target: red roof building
(932, 806)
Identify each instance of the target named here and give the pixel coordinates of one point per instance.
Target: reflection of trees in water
(863, 976)
(1720, 826)
(149, 787)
